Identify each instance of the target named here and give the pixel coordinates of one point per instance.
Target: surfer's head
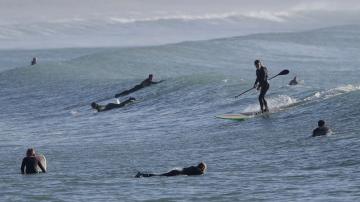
(150, 77)
(94, 105)
(30, 152)
(202, 166)
(257, 63)
(321, 123)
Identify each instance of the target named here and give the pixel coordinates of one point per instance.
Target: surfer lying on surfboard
(109, 106)
(192, 170)
(30, 162)
(147, 82)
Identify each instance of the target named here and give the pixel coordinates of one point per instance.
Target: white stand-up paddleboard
(241, 116)
(42, 160)
(235, 117)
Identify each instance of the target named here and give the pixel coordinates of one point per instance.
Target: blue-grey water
(94, 156)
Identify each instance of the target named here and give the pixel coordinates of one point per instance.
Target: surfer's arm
(156, 82)
(23, 167)
(255, 84)
(257, 79)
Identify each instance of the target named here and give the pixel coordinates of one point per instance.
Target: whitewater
(94, 156)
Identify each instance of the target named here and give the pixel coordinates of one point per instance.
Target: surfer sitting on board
(143, 84)
(30, 162)
(34, 61)
(261, 84)
(321, 130)
(192, 170)
(109, 106)
(293, 82)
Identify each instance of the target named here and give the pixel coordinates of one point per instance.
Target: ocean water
(94, 156)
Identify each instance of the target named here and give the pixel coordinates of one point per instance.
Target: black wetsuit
(31, 163)
(319, 131)
(261, 78)
(192, 170)
(143, 84)
(293, 82)
(110, 106)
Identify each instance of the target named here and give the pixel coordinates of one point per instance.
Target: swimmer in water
(30, 162)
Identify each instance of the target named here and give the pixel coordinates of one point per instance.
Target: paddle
(283, 72)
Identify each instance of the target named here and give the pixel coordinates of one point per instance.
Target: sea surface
(94, 156)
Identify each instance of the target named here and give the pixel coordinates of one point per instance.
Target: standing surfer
(261, 84)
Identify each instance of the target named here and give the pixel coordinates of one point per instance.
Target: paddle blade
(284, 72)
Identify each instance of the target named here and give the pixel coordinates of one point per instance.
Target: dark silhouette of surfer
(110, 106)
(261, 84)
(192, 170)
(30, 162)
(321, 129)
(147, 82)
(34, 61)
(293, 81)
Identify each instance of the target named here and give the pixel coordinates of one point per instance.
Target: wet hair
(256, 62)
(93, 105)
(30, 152)
(202, 166)
(321, 123)
(150, 75)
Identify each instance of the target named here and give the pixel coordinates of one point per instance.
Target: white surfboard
(42, 160)
(235, 117)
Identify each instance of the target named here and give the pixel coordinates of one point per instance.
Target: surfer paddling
(192, 170)
(261, 84)
(110, 106)
(30, 162)
(147, 82)
(321, 129)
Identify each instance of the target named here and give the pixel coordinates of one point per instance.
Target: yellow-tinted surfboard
(241, 116)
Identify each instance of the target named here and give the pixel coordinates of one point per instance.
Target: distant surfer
(110, 106)
(30, 162)
(293, 82)
(321, 129)
(143, 84)
(261, 84)
(192, 170)
(34, 61)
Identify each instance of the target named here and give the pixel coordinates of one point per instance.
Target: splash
(274, 103)
(333, 92)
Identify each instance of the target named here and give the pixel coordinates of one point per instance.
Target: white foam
(333, 92)
(74, 112)
(274, 103)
